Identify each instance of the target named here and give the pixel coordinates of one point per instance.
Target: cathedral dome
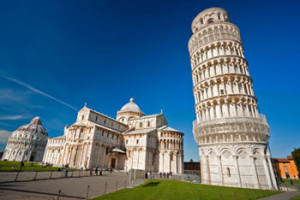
(129, 111)
(131, 107)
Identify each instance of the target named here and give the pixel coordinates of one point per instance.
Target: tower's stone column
(227, 118)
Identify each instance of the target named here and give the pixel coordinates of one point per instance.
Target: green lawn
(16, 166)
(295, 182)
(178, 190)
(295, 198)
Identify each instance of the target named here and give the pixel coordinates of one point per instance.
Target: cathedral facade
(131, 141)
(231, 135)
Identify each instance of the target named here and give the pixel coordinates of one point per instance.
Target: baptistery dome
(129, 111)
(27, 143)
(35, 127)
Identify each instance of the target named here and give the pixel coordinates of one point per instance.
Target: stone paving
(71, 188)
(283, 196)
(31, 175)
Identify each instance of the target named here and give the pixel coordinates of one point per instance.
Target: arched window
(228, 172)
(106, 150)
(96, 118)
(104, 121)
(148, 123)
(210, 20)
(137, 141)
(141, 124)
(82, 117)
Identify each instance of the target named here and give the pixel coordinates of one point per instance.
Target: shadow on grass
(152, 184)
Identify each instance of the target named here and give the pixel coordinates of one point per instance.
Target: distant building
(131, 141)
(286, 167)
(191, 168)
(27, 143)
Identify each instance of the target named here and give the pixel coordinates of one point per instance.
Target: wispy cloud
(12, 96)
(4, 135)
(13, 117)
(40, 92)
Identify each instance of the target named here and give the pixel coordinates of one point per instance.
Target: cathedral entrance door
(113, 163)
(31, 157)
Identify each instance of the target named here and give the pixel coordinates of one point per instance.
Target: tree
(191, 161)
(296, 156)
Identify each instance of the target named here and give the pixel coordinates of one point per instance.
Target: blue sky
(104, 52)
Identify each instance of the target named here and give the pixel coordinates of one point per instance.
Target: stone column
(267, 172)
(177, 163)
(98, 155)
(89, 155)
(221, 169)
(75, 156)
(201, 168)
(274, 185)
(254, 173)
(132, 154)
(163, 163)
(208, 170)
(238, 170)
(138, 159)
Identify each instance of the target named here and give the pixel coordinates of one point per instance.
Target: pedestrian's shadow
(152, 184)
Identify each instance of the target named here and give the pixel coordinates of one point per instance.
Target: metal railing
(19, 176)
(92, 190)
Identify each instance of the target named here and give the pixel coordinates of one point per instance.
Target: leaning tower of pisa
(232, 136)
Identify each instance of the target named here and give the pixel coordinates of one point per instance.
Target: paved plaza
(283, 196)
(71, 188)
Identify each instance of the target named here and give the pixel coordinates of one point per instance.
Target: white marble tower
(231, 135)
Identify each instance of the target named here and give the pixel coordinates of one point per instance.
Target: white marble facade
(133, 141)
(27, 143)
(231, 135)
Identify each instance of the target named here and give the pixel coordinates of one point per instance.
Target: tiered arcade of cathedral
(232, 136)
(133, 141)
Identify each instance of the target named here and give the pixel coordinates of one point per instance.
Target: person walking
(91, 171)
(100, 171)
(96, 171)
(22, 164)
